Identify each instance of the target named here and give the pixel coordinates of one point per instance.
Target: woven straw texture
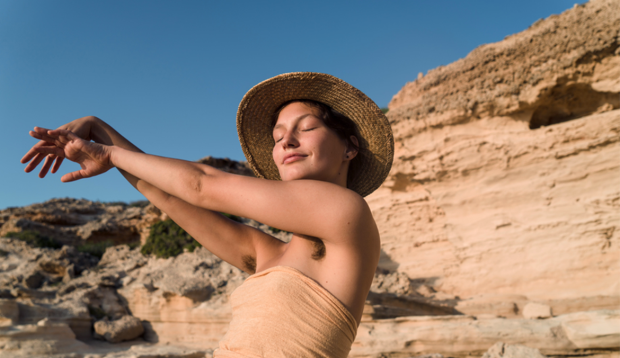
(371, 166)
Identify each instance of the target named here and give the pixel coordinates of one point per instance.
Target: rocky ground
(500, 225)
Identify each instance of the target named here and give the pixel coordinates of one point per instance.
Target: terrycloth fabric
(280, 312)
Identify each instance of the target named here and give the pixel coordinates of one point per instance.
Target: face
(306, 148)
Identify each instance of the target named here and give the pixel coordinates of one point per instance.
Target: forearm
(179, 178)
(103, 133)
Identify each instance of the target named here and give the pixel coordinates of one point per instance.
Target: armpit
(319, 247)
(249, 263)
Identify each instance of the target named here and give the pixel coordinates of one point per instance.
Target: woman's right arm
(237, 244)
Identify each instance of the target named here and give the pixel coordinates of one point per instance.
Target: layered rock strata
(505, 184)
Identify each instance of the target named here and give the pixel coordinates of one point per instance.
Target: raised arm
(237, 244)
(308, 207)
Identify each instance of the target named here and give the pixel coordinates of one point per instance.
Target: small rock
(124, 329)
(534, 310)
(45, 322)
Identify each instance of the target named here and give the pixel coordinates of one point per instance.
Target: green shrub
(95, 248)
(168, 239)
(384, 110)
(35, 239)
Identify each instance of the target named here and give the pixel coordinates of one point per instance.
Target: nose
(289, 140)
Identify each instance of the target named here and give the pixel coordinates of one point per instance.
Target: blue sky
(169, 75)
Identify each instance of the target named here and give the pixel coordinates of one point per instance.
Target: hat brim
(257, 107)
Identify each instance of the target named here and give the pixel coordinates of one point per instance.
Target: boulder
(592, 330)
(124, 329)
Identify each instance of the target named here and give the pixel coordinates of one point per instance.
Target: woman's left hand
(92, 157)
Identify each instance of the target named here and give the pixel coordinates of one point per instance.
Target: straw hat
(374, 160)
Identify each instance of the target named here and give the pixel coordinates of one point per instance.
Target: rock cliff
(504, 194)
(506, 174)
(500, 225)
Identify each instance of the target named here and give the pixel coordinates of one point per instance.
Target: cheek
(274, 155)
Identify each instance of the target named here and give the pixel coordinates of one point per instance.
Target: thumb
(73, 176)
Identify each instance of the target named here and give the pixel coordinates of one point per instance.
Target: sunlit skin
(311, 201)
(305, 148)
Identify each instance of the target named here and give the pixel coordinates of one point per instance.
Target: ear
(351, 152)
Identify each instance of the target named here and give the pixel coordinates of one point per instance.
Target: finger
(63, 133)
(35, 134)
(56, 140)
(40, 130)
(73, 176)
(43, 136)
(46, 166)
(57, 164)
(51, 150)
(45, 132)
(35, 161)
(31, 153)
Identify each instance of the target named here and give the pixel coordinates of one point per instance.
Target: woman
(330, 145)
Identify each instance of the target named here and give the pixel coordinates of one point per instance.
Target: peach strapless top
(280, 312)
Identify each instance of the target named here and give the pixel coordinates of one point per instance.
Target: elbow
(195, 188)
(201, 187)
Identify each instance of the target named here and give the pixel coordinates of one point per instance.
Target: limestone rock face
(9, 312)
(506, 173)
(536, 310)
(501, 350)
(46, 338)
(75, 222)
(462, 336)
(563, 67)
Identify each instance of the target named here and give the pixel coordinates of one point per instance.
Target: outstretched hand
(80, 127)
(92, 157)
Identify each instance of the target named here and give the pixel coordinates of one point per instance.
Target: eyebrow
(296, 119)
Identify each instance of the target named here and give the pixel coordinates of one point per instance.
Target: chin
(295, 175)
(289, 177)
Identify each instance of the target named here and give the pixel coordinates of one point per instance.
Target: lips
(292, 157)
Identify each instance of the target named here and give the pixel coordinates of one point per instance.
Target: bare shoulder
(307, 207)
